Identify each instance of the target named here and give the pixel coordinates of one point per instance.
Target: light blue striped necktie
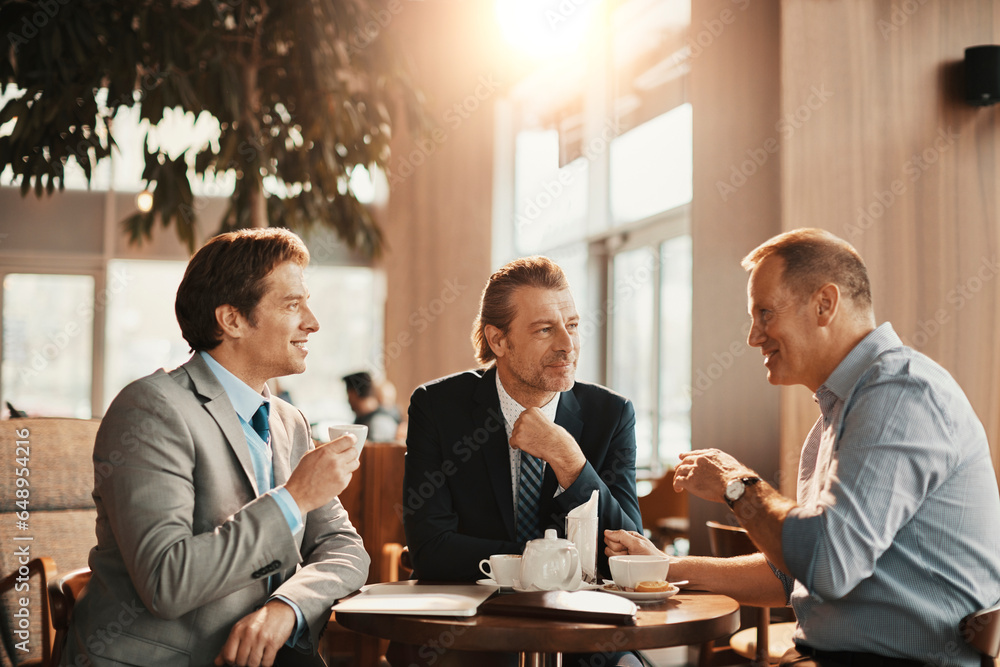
(529, 493)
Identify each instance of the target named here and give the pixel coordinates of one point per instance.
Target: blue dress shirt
(246, 401)
(894, 539)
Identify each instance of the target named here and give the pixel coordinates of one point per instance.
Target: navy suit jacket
(458, 502)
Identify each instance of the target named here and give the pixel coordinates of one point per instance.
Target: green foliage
(301, 91)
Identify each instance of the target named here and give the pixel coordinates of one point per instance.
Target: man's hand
(323, 473)
(257, 637)
(706, 472)
(628, 542)
(536, 435)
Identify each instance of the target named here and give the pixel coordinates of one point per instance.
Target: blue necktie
(259, 452)
(259, 421)
(529, 492)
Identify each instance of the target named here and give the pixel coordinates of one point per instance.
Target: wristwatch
(736, 488)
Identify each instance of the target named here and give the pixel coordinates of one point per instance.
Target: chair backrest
(27, 629)
(728, 541)
(662, 501)
(373, 501)
(63, 594)
(982, 631)
(58, 454)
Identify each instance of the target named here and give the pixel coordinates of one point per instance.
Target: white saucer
(490, 582)
(641, 597)
(584, 586)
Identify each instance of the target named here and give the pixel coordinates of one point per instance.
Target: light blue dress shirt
(896, 536)
(246, 401)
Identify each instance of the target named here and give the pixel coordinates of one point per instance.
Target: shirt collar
(864, 354)
(243, 397)
(512, 409)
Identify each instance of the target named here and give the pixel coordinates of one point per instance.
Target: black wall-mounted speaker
(982, 75)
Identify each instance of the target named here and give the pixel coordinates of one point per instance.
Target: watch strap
(746, 481)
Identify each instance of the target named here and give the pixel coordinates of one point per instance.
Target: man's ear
(826, 300)
(230, 321)
(497, 341)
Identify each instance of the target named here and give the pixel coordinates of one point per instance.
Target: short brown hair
(814, 257)
(230, 269)
(495, 307)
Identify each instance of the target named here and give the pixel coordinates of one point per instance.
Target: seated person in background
(893, 538)
(220, 538)
(497, 455)
(368, 410)
(385, 392)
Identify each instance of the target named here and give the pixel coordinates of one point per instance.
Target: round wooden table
(686, 618)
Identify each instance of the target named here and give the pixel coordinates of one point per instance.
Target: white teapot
(550, 564)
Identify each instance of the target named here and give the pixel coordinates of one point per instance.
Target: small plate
(584, 586)
(641, 597)
(490, 582)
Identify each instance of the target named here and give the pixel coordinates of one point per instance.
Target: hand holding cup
(360, 431)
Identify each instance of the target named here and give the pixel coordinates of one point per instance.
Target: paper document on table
(411, 597)
(581, 530)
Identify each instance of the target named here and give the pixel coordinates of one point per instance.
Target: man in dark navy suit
(482, 443)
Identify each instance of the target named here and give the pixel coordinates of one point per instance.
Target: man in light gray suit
(220, 538)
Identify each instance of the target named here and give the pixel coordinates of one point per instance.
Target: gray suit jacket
(185, 544)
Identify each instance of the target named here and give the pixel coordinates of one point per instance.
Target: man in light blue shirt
(220, 538)
(893, 537)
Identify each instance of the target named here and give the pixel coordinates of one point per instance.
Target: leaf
(12, 108)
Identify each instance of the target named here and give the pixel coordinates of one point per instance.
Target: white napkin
(581, 530)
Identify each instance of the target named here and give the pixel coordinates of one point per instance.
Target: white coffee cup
(360, 432)
(627, 571)
(503, 568)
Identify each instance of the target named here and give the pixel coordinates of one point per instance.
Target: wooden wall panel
(894, 161)
(438, 222)
(735, 100)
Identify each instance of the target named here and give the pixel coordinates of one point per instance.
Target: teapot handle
(571, 582)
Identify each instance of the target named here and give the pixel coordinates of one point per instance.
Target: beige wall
(735, 97)
(894, 161)
(438, 223)
(806, 114)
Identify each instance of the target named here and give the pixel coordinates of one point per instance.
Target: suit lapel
(221, 408)
(496, 450)
(281, 448)
(568, 414)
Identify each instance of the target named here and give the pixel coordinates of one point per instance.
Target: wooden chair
(63, 594)
(766, 642)
(982, 631)
(29, 583)
(665, 512)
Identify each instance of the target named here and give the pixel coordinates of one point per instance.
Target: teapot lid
(550, 541)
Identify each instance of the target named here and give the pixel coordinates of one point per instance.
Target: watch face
(734, 489)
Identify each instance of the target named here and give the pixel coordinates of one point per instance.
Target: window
(551, 201)
(651, 167)
(600, 180)
(48, 343)
(348, 302)
(142, 332)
